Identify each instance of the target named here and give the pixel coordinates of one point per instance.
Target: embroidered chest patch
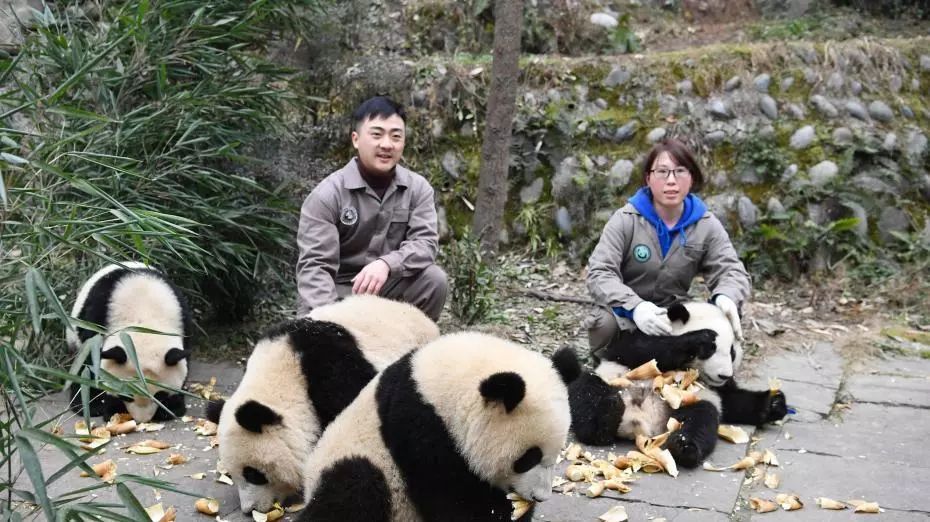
(641, 253)
(349, 216)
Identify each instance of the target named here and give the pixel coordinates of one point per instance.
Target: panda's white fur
(140, 297)
(447, 379)
(717, 369)
(380, 329)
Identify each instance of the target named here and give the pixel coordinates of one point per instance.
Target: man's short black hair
(377, 108)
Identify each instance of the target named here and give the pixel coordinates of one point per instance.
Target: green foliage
(472, 279)
(121, 139)
(793, 29)
(624, 39)
(761, 155)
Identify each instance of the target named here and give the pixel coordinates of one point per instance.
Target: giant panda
(444, 434)
(300, 375)
(134, 294)
(701, 338)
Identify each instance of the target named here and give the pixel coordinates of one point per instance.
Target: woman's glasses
(680, 173)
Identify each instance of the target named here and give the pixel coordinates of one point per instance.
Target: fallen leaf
(772, 480)
(829, 503)
(207, 506)
(142, 450)
(176, 459)
(155, 512)
(152, 443)
(788, 502)
(760, 505)
(731, 433)
(224, 478)
(614, 514)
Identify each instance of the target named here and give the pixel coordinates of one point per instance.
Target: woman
(652, 248)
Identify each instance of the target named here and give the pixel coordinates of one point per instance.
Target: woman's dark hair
(377, 107)
(682, 156)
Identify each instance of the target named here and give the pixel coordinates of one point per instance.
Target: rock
(811, 76)
(668, 104)
(600, 103)
(824, 106)
(452, 164)
(872, 185)
(816, 213)
(618, 76)
(925, 62)
(907, 112)
(620, 173)
(733, 84)
(761, 82)
(891, 139)
(915, 84)
(563, 180)
(605, 20)
(895, 83)
(787, 83)
(768, 107)
(855, 87)
(802, 138)
(767, 131)
(880, 111)
(467, 130)
(563, 221)
(821, 173)
(656, 134)
(684, 87)
(925, 233)
(532, 192)
(842, 136)
(774, 206)
(718, 109)
(747, 211)
(856, 110)
(835, 81)
(795, 111)
(915, 147)
(892, 219)
(720, 205)
(858, 212)
(715, 136)
(790, 173)
(749, 176)
(626, 131)
(443, 222)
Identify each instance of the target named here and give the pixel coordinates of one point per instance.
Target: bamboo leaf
(34, 470)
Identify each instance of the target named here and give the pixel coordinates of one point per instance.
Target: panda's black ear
(566, 363)
(176, 355)
(253, 416)
(505, 387)
(678, 312)
(116, 354)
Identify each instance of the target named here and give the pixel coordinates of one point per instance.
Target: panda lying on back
(300, 375)
(702, 339)
(443, 435)
(134, 294)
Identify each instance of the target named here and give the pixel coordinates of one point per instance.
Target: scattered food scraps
(733, 434)
(207, 506)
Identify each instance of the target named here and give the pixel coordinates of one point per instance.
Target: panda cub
(134, 294)
(702, 338)
(444, 434)
(300, 375)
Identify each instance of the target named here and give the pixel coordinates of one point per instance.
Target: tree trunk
(502, 99)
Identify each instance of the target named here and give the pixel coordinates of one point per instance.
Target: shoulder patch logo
(641, 253)
(349, 216)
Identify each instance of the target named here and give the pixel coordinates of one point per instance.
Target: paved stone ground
(856, 435)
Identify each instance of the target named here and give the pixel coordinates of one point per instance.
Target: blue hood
(693, 211)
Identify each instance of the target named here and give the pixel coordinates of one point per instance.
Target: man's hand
(651, 319)
(371, 278)
(731, 311)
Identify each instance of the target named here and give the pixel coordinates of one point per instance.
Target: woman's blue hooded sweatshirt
(693, 211)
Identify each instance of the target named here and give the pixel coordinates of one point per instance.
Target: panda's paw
(702, 343)
(777, 407)
(684, 450)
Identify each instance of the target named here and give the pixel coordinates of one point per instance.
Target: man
(371, 227)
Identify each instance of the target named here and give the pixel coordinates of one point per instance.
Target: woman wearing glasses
(652, 248)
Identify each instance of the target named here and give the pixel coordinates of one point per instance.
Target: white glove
(731, 312)
(651, 319)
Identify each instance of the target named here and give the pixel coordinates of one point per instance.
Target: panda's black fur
(437, 480)
(598, 409)
(96, 309)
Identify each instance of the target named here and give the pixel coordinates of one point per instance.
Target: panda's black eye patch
(529, 460)
(115, 354)
(176, 355)
(732, 353)
(253, 476)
